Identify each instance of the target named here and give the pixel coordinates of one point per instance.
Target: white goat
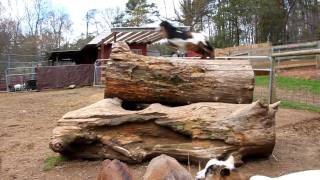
(18, 87)
(302, 175)
(225, 170)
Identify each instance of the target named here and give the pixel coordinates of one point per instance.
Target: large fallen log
(136, 78)
(199, 131)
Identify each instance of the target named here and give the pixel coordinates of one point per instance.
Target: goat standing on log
(196, 42)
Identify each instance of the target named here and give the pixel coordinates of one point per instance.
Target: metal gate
(18, 69)
(100, 72)
(19, 75)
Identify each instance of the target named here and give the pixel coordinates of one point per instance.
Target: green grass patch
(53, 161)
(300, 106)
(290, 83)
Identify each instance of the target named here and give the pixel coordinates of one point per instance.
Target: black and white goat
(184, 40)
(220, 170)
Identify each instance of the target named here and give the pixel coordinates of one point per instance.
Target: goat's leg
(209, 52)
(200, 49)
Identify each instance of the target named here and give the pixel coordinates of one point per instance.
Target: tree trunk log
(143, 79)
(199, 131)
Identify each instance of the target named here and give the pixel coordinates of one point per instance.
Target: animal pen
(33, 73)
(18, 69)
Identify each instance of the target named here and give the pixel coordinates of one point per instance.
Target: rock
(114, 170)
(164, 167)
(72, 86)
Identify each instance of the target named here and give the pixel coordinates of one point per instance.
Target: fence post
(6, 75)
(272, 90)
(7, 72)
(318, 57)
(9, 61)
(94, 72)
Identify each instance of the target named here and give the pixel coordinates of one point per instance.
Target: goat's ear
(225, 172)
(230, 160)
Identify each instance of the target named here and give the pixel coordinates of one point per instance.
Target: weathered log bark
(144, 79)
(200, 131)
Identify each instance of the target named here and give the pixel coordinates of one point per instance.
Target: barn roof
(146, 35)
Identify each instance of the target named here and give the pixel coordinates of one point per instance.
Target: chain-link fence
(18, 69)
(296, 76)
(292, 77)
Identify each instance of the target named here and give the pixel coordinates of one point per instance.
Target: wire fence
(293, 84)
(296, 75)
(18, 69)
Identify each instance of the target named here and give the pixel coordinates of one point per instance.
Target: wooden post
(102, 51)
(114, 37)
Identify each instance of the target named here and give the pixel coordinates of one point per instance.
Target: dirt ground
(27, 120)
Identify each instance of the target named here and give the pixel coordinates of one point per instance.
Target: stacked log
(142, 79)
(198, 132)
(215, 116)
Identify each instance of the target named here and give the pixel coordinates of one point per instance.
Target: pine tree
(140, 12)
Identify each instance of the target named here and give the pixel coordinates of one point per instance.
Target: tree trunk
(199, 131)
(144, 79)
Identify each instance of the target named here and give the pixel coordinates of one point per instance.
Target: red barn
(136, 38)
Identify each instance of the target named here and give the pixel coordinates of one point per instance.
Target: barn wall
(3, 86)
(142, 47)
(104, 52)
(53, 77)
(192, 54)
(88, 56)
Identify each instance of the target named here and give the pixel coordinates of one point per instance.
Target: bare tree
(36, 13)
(192, 13)
(59, 22)
(90, 17)
(108, 17)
